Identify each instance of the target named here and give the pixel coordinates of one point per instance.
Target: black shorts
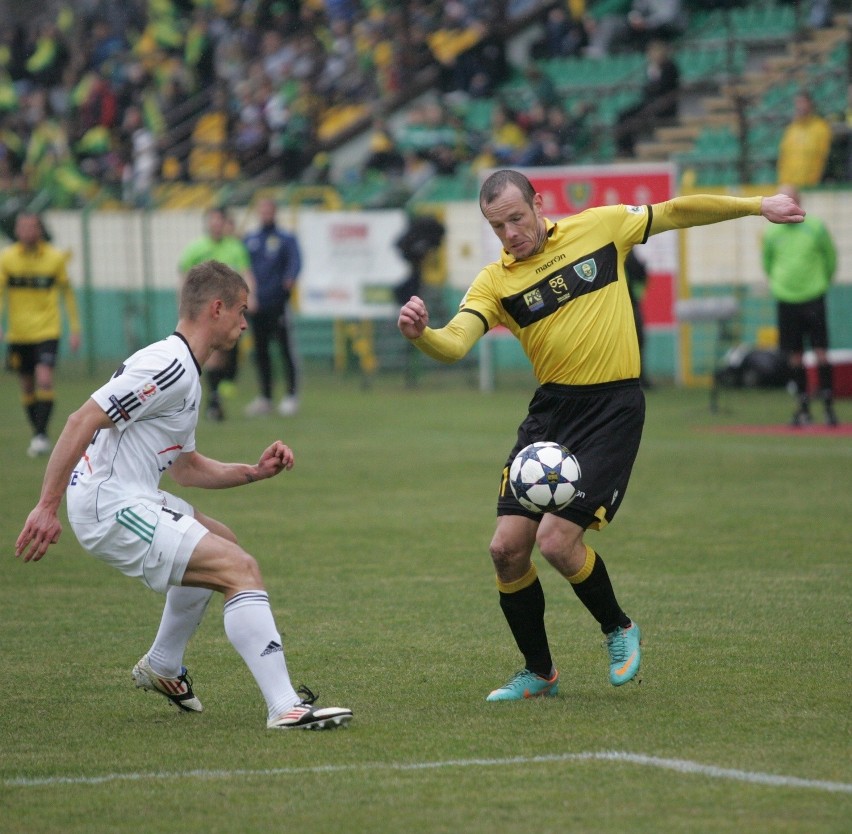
(23, 358)
(602, 426)
(805, 320)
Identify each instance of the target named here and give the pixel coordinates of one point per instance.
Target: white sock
(250, 627)
(182, 615)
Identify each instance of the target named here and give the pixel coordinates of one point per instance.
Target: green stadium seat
(764, 173)
(764, 21)
(699, 61)
(448, 188)
(707, 25)
(763, 139)
(608, 108)
(714, 144)
(777, 101)
(478, 113)
(753, 22)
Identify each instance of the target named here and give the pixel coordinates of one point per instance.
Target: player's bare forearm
(195, 470)
(42, 527)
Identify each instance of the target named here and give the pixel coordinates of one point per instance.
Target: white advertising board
(350, 263)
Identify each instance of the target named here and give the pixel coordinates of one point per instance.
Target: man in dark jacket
(275, 262)
(659, 99)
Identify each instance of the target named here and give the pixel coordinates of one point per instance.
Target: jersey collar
(183, 339)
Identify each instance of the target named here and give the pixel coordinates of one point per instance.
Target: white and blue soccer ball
(543, 476)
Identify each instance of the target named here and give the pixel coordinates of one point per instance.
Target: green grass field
(731, 550)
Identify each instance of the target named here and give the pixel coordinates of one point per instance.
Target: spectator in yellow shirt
(805, 144)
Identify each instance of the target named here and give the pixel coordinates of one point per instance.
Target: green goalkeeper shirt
(799, 260)
(229, 250)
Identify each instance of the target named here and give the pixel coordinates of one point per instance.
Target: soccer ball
(543, 477)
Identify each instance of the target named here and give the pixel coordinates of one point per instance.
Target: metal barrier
(721, 310)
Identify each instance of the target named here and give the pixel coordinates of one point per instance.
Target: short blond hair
(208, 281)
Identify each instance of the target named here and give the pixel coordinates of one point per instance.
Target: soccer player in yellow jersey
(33, 279)
(560, 288)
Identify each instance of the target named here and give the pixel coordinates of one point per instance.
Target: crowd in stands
(111, 97)
(116, 95)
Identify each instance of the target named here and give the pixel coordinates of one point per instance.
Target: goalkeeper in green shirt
(800, 260)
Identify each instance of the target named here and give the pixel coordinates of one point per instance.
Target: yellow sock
(519, 584)
(583, 574)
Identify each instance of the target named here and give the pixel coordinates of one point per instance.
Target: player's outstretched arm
(43, 527)
(703, 209)
(781, 208)
(193, 469)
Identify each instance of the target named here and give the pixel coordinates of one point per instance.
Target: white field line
(676, 765)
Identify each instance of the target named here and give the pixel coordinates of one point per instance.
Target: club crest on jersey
(579, 194)
(533, 299)
(587, 269)
(146, 391)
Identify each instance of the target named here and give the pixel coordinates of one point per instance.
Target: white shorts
(149, 540)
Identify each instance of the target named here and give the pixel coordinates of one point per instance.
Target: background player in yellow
(33, 285)
(560, 288)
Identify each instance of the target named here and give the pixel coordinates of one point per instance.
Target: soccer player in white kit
(108, 461)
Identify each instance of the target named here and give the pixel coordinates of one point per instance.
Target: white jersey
(153, 401)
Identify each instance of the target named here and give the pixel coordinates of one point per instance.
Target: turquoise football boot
(526, 684)
(624, 654)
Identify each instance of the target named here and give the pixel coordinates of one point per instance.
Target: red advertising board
(570, 190)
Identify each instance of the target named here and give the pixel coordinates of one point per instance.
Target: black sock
(595, 591)
(30, 408)
(824, 376)
(229, 371)
(524, 611)
(42, 410)
(799, 378)
(214, 379)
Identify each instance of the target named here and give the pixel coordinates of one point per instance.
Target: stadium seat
(477, 114)
(463, 185)
(699, 61)
(763, 21)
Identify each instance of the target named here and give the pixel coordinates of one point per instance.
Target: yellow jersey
(568, 305)
(31, 283)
